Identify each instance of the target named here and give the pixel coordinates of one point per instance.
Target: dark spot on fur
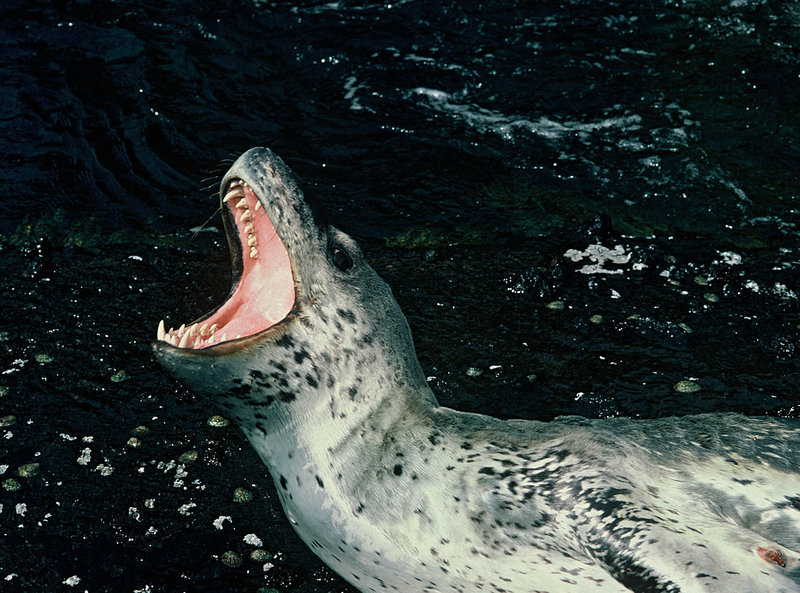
(319, 481)
(301, 355)
(283, 483)
(286, 396)
(559, 454)
(487, 471)
(285, 341)
(352, 392)
(398, 470)
(312, 382)
(794, 502)
(348, 316)
(240, 389)
(466, 445)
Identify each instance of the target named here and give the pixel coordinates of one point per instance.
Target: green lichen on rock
(89, 233)
(433, 238)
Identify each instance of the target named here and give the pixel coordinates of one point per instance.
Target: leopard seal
(311, 356)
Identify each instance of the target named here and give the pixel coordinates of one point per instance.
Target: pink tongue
(265, 292)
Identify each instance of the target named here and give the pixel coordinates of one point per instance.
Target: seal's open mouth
(263, 294)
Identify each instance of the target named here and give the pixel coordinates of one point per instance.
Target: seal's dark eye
(341, 259)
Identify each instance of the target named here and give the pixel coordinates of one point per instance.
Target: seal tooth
(242, 204)
(184, 340)
(204, 331)
(246, 216)
(160, 333)
(253, 253)
(257, 206)
(232, 193)
(213, 329)
(251, 240)
(223, 337)
(181, 330)
(249, 228)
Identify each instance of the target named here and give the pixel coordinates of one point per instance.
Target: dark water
(484, 156)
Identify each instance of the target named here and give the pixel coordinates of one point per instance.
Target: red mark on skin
(772, 555)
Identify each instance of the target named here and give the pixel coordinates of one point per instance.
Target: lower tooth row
(191, 337)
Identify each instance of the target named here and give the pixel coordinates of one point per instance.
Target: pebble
(8, 420)
(555, 305)
(28, 470)
(119, 376)
(44, 358)
(260, 555)
(218, 421)
(711, 297)
(596, 319)
(686, 386)
(474, 372)
(11, 485)
(231, 558)
(188, 457)
(242, 495)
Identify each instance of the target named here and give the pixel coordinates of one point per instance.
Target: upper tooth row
(236, 190)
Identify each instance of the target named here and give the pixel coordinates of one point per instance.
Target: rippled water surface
(583, 207)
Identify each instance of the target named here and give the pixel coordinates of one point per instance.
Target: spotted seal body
(312, 358)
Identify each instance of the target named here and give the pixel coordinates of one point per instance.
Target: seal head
(310, 322)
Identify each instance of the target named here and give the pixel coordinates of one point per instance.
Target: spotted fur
(398, 494)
